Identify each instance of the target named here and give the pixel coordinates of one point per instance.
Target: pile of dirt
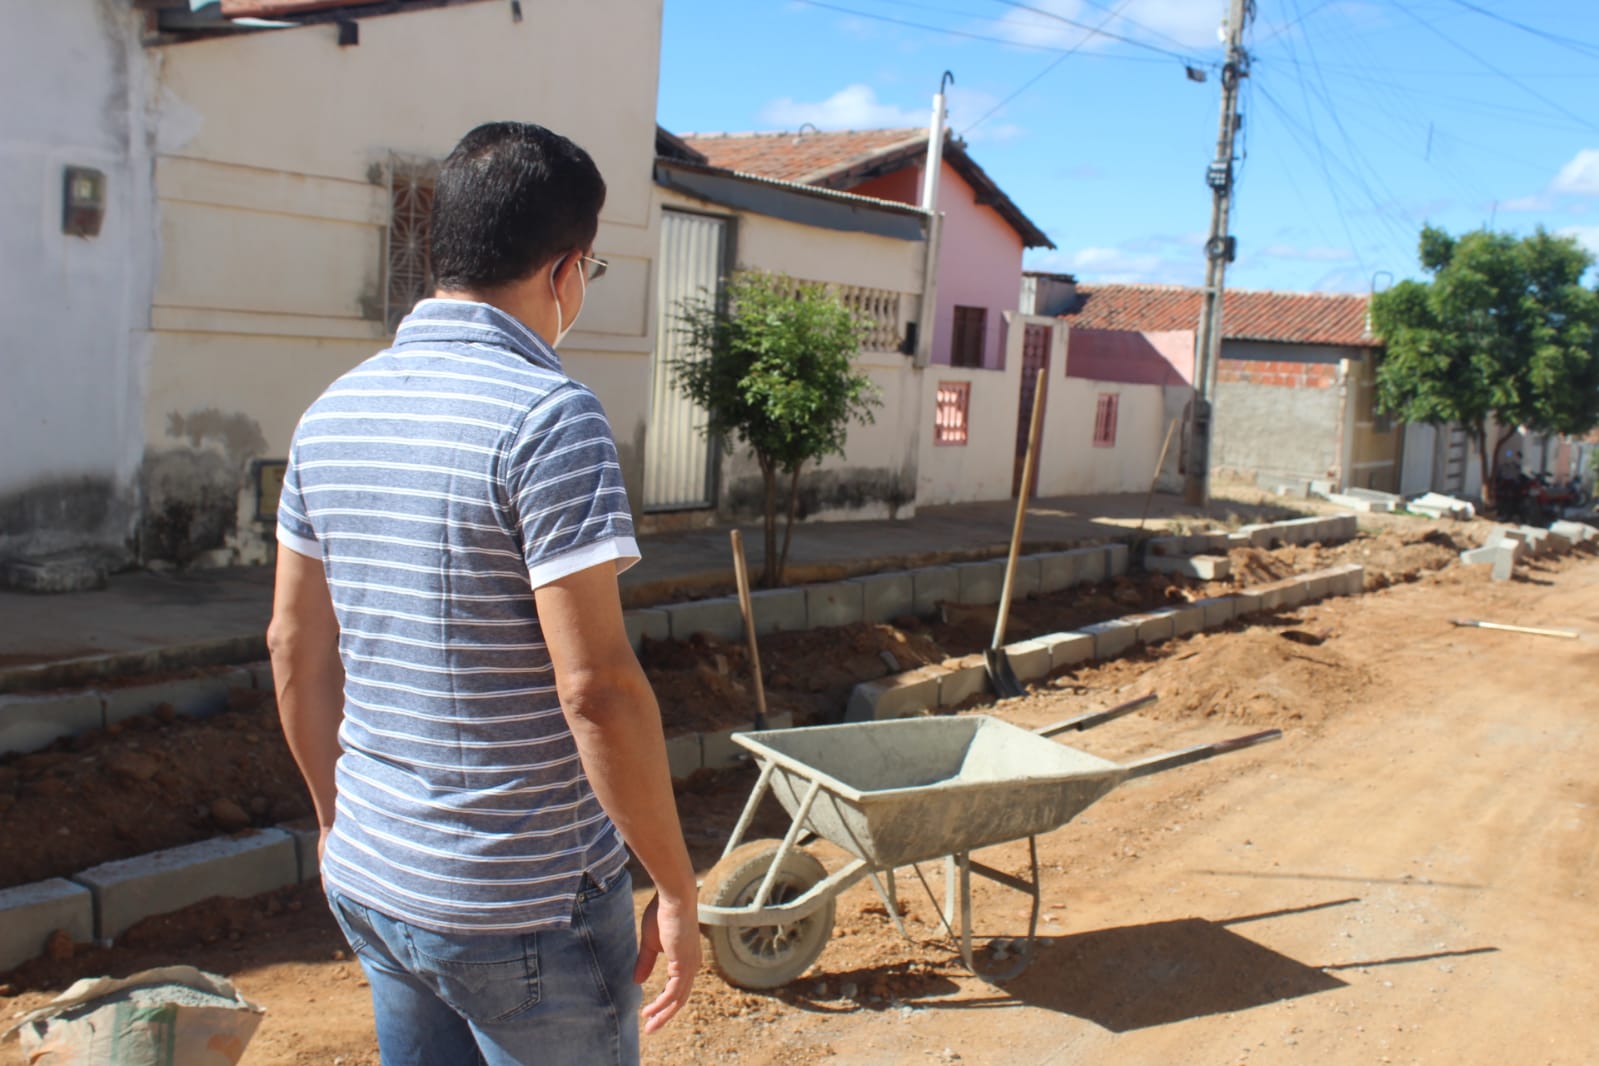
(1390, 557)
(1278, 672)
(147, 783)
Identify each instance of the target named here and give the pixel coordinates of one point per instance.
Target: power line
(1523, 86)
(1098, 32)
(1036, 78)
(1580, 47)
(952, 32)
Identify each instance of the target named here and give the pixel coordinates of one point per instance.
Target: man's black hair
(510, 198)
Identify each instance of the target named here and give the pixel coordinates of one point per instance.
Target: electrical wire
(1098, 32)
(1517, 82)
(1581, 47)
(952, 32)
(1036, 78)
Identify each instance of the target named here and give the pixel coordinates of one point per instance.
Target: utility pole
(1219, 251)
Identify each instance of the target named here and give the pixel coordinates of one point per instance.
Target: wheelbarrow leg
(886, 892)
(748, 814)
(958, 882)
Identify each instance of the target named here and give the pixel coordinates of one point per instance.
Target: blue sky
(1363, 119)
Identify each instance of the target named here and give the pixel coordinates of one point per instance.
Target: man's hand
(667, 930)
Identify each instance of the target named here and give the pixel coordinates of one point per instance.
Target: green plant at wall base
(773, 365)
(1504, 329)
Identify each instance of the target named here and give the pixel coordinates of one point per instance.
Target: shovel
(1000, 672)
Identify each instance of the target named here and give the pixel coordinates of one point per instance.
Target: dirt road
(1405, 878)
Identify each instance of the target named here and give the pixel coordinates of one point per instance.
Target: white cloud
(1537, 202)
(1581, 175)
(1121, 264)
(854, 107)
(1312, 254)
(1587, 236)
(1192, 23)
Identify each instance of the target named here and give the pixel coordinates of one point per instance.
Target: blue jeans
(550, 997)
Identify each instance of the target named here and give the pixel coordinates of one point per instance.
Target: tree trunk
(770, 561)
(1479, 437)
(788, 528)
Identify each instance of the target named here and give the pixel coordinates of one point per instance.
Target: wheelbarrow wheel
(765, 956)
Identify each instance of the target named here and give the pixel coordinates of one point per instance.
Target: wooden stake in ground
(1000, 672)
(1154, 479)
(742, 575)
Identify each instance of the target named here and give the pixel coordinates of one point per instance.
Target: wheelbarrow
(895, 794)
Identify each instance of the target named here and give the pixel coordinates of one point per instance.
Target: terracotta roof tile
(802, 157)
(1286, 317)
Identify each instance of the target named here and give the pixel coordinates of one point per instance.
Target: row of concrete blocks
(1507, 545)
(949, 684)
(29, 722)
(104, 901)
(878, 597)
(1204, 555)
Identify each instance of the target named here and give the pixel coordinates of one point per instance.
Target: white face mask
(562, 327)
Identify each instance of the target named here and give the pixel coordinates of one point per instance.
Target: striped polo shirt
(440, 482)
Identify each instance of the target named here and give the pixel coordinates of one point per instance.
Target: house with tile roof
(983, 236)
(827, 207)
(1295, 392)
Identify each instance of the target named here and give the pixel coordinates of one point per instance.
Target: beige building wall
(274, 206)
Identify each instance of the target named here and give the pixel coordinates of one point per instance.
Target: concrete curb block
(1186, 619)
(30, 913)
(1219, 610)
(193, 697)
(1069, 649)
(1112, 637)
(979, 583)
(775, 610)
(163, 881)
(933, 585)
(885, 597)
(1152, 627)
(839, 603)
(305, 842)
(1202, 567)
(1030, 659)
(653, 623)
(968, 677)
(28, 723)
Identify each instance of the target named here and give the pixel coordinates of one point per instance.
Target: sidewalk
(145, 623)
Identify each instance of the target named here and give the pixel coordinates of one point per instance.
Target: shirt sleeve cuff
(624, 550)
(298, 544)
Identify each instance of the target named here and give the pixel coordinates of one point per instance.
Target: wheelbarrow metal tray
(899, 792)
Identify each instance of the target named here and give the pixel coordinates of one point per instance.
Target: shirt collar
(436, 321)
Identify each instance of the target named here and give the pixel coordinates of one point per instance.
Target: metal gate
(678, 459)
(1456, 453)
(1035, 357)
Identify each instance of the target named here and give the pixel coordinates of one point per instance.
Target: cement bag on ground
(172, 1016)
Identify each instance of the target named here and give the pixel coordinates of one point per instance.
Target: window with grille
(410, 209)
(966, 341)
(950, 412)
(1105, 421)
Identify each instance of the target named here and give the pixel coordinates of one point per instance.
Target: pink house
(984, 235)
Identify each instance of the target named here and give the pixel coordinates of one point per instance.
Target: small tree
(774, 368)
(1505, 329)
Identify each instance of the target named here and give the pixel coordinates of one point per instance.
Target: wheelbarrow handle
(1173, 759)
(1093, 718)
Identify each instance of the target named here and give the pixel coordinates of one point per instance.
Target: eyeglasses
(597, 266)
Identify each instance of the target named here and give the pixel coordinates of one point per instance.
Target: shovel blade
(1002, 675)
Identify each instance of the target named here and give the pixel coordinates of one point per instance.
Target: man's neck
(522, 302)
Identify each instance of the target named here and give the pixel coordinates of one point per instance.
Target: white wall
(273, 210)
(1069, 464)
(76, 85)
(876, 477)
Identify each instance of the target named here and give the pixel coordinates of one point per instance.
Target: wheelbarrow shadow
(1138, 976)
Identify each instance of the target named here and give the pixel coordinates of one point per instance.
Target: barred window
(966, 342)
(951, 411)
(409, 278)
(1105, 421)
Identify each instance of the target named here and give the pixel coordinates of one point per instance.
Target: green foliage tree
(773, 366)
(1504, 329)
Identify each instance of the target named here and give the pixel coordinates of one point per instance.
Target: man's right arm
(616, 723)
